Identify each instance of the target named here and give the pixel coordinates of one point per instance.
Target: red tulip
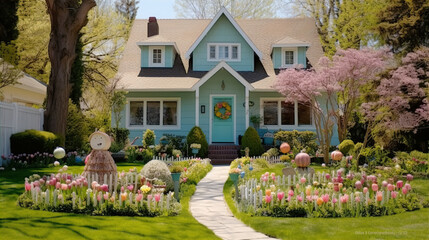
(399, 184)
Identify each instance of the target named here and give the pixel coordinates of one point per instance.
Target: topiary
(252, 140)
(196, 135)
(148, 138)
(346, 146)
(158, 169)
(32, 141)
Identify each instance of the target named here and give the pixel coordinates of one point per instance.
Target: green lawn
(20, 223)
(409, 225)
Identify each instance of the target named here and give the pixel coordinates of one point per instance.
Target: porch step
(223, 154)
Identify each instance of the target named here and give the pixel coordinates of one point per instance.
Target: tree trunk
(67, 19)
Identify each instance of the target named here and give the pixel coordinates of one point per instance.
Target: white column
(197, 107)
(246, 104)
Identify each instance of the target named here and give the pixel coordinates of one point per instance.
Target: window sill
(153, 127)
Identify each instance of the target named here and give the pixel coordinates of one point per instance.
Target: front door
(222, 119)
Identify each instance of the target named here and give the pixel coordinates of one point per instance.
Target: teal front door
(223, 119)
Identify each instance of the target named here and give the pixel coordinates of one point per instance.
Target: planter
(176, 181)
(234, 177)
(176, 176)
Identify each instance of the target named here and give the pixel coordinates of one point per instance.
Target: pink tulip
(357, 199)
(267, 174)
(393, 194)
(36, 183)
(339, 172)
(399, 184)
(407, 186)
(185, 169)
(27, 186)
(384, 183)
(64, 186)
(299, 198)
(374, 187)
(303, 180)
(280, 195)
(68, 181)
(316, 192)
(99, 197)
(327, 176)
(409, 177)
(157, 197)
(404, 190)
(358, 185)
(390, 187)
(149, 197)
(289, 198)
(139, 197)
(344, 199)
(93, 184)
(309, 198)
(122, 189)
(267, 199)
(130, 188)
(264, 178)
(42, 181)
(325, 198)
(104, 188)
(365, 190)
(334, 200)
(336, 187)
(350, 176)
(340, 179)
(58, 185)
(106, 196)
(291, 193)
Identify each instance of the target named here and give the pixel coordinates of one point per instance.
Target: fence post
(15, 118)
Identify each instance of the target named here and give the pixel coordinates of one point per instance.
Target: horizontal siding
(223, 32)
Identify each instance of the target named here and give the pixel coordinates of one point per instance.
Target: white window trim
(229, 45)
(295, 56)
(161, 120)
(278, 126)
(151, 64)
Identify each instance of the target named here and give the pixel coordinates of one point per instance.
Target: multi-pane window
(157, 56)
(222, 51)
(153, 113)
(281, 113)
(289, 55)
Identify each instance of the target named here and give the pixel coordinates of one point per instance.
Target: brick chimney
(152, 27)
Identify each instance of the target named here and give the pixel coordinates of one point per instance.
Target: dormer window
(289, 57)
(156, 56)
(223, 51)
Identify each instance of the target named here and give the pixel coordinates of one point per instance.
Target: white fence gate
(15, 118)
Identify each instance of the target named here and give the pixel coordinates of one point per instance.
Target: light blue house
(179, 73)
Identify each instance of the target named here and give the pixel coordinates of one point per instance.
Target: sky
(161, 9)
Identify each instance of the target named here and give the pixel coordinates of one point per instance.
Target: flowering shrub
(326, 195)
(38, 159)
(414, 162)
(158, 169)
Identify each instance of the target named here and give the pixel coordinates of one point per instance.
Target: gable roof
(223, 11)
(222, 65)
(263, 33)
(291, 42)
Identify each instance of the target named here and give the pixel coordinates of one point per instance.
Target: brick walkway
(209, 208)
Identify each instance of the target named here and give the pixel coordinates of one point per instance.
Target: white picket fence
(270, 160)
(172, 159)
(16, 118)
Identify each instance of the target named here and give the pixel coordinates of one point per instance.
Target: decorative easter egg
(284, 148)
(336, 155)
(99, 141)
(59, 153)
(302, 160)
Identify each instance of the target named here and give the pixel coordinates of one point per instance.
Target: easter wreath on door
(222, 105)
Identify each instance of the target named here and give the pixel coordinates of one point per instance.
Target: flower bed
(127, 193)
(333, 194)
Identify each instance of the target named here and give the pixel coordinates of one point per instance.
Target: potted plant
(256, 120)
(233, 174)
(176, 171)
(195, 148)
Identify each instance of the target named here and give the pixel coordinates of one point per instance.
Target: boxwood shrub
(32, 141)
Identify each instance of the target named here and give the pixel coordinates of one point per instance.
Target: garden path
(209, 208)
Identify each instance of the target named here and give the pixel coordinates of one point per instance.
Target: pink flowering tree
(333, 90)
(400, 100)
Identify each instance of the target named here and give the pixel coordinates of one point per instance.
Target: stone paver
(209, 208)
